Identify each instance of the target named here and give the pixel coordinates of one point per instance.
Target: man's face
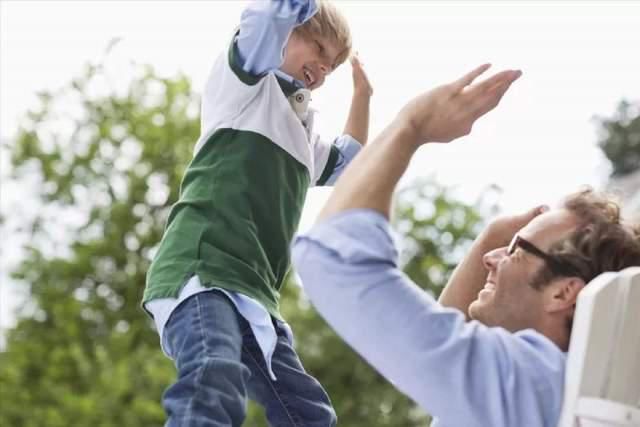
(309, 59)
(507, 299)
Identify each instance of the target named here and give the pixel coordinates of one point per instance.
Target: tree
(620, 139)
(108, 164)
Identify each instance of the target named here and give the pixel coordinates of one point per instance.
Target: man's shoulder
(540, 357)
(538, 342)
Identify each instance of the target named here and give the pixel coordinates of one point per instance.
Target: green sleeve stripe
(330, 166)
(234, 62)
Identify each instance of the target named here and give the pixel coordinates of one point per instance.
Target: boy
(213, 286)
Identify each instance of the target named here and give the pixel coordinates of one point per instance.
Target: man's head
(535, 281)
(318, 46)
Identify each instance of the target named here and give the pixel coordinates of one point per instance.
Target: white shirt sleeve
(344, 148)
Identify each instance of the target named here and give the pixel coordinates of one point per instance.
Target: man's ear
(561, 294)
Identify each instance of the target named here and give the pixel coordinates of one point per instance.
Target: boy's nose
(325, 69)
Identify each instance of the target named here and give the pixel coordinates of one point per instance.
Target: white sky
(579, 59)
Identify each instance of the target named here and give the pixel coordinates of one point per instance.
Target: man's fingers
(520, 220)
(468, 78)
(483, 97)
(491, 96)
(495, 81)
(527, 216)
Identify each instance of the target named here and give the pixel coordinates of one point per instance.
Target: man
(506, 368)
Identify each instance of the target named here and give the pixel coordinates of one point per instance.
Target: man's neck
(556, 330)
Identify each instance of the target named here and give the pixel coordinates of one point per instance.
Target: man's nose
(491, 259)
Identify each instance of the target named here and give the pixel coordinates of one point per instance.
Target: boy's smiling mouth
(309, 78)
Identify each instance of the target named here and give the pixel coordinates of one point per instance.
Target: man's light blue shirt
(463, 373)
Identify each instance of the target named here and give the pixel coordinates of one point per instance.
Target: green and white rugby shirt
(242, 194)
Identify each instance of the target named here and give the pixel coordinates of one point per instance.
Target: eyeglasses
(556, 266)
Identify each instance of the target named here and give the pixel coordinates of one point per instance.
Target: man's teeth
(307, 75)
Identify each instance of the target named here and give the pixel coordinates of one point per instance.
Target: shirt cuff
(347, 147)
(355, 236)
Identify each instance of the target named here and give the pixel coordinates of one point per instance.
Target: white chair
(602, 387)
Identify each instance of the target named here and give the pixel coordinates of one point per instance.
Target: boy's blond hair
(330, 23)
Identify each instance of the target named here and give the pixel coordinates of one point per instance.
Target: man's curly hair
(601, 242)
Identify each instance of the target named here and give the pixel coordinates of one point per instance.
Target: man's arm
(265, 27)
(470, 275)
(461, 372)
(440, 115)
(358, 120)
(465, 373)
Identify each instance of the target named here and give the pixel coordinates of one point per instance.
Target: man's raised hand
(449, 111)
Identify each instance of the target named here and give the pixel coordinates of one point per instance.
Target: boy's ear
(562, 294)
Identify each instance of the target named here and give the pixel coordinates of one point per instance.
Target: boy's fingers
(468, 78)
(355, 59)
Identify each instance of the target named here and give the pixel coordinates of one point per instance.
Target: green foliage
(437, 231)
(109, 166)
(620, 140)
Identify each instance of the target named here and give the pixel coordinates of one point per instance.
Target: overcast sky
(579, 59)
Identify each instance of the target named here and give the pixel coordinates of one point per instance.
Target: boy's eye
(320, 47)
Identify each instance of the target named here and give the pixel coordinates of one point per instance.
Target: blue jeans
(220, 364)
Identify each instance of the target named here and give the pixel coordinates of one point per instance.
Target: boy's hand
(449, 111)
(361, 84)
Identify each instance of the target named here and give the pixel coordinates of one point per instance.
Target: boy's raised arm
(358, 120)
(265, 27)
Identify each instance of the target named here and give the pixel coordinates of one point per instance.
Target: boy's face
(309, 59)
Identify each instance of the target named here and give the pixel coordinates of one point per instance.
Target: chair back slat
(604, 353)
(626, 352)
